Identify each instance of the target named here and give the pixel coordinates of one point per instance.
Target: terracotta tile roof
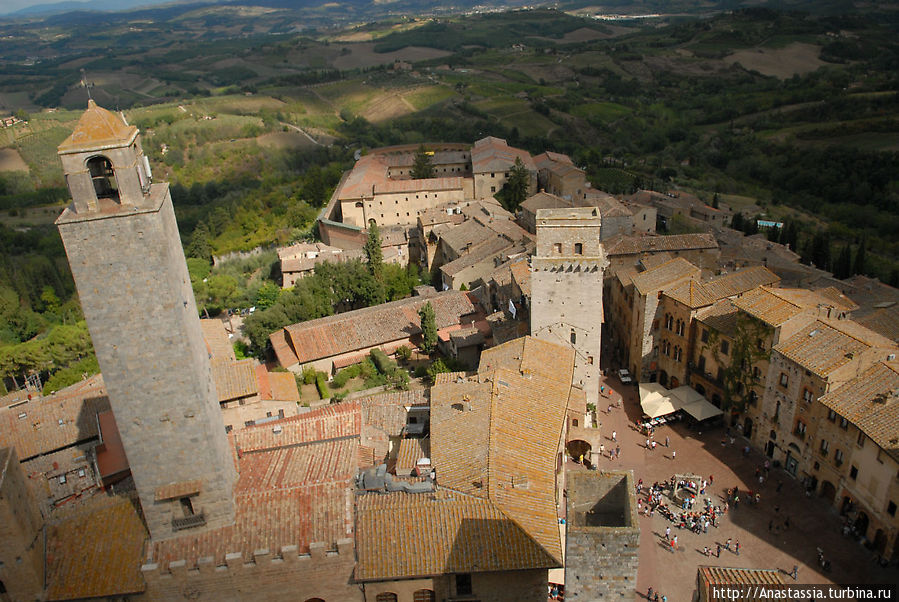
(303, 257)
(665, 275)
(235, 379)
(548, 158)
(283, 351)
(521, 275)
(700, 294)
(280, 386)
(98, 129)
(493, 154)
(294, 490)
(871, 402)
(318, 462)
(883, 321)
(838, 299)
(410, 452)
(45, 424)
(544, 200)
(439, 215)
(335, 421)
(429, 184)
(96, 553)
(368, 171)
(626, 275)
(870, 294)
(217, 342)
(654, 260)
(721, 316)
(825, 345)
(608, 205)
(478, 253)
(775, 306)
(268, 519)
(387, 411)
(363, 328)
(494, 435)
(632, 245)
(450, 533)
(466, 234)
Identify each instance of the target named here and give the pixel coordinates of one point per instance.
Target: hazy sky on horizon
(11, 6)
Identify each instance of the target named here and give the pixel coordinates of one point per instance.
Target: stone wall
(602, 537)
(567, 286)
(282, 576)
(132, 280)
(21, 535)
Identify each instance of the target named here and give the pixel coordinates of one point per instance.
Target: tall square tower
(125, 253)
(566, 288)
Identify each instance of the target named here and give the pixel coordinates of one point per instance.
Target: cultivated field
(11, 160)
(796, 58)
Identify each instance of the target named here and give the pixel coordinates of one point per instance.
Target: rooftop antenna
(86, 84)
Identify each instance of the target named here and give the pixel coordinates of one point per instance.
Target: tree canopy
(422, 168)
(373, 251)
(516, 188)
(428, 327)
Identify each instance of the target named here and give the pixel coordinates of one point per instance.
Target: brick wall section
(132, 280)
(601, 558)
(285, 576)
(21, 536)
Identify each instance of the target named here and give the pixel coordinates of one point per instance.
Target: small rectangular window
(463, 584)
(891, 508)
(844, 423)
(725, 347)
(860, 441)
(853, 473)
(705, 336)
(832, 416)
(784, 379)
(578, 248)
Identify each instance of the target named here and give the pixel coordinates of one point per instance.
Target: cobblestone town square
(813, 523)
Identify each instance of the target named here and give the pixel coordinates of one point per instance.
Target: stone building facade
(602, 536)
(125, 253)
(21, 523)
(566, 288)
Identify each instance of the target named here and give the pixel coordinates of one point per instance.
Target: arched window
(386, 597)
(578, 248)
(103, 177)
(423, 595)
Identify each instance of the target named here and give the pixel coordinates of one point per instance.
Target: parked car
(625, 376)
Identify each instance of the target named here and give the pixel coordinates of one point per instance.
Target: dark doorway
(828, 491)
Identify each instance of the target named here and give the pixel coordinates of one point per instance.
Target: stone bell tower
(566, 288)
(125, 253)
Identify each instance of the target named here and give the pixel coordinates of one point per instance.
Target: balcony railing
(188, 522)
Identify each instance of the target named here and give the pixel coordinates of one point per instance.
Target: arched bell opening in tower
(103, 177)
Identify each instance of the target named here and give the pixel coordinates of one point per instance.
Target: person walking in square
(614, 436)
(667, 440)
(737, 547)
(667, 533)
(718, 551)
(795, 573)
(673, 454)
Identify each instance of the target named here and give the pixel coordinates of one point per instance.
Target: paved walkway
(812, 522)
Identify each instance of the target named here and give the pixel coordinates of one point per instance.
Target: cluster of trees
(333, 288)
